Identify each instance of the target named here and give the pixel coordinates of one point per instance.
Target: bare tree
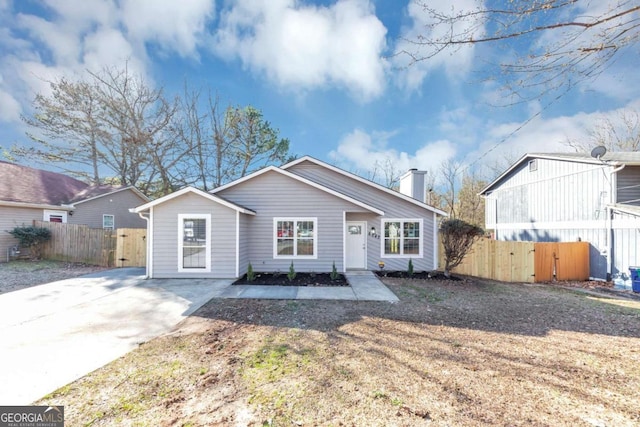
(470, 206)
(386, 173)
(69, 128)
(113, 123)
(616, 134)
(554, 44)
(225, 143)
(450, 176)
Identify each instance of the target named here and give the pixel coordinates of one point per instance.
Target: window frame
(402, 221)
(295, 221)
(208, 232)
(113, 222)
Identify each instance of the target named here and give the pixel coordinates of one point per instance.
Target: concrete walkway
(56, 333)
(364, 286)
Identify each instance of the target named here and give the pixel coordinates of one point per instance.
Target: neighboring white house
(568, 197)
(306, 212)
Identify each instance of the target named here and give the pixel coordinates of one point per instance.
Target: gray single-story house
(28, 194)
(306, 212)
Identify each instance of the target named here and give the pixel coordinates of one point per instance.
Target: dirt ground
(466, 353)
(22, 274)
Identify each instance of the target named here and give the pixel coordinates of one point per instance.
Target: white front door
(356, 245)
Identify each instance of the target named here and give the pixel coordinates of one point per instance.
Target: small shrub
(410, 268)
(334, 273)
(31, 237)
(291, 275)
(251, 275)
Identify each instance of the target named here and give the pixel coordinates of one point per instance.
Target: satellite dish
(598, 152)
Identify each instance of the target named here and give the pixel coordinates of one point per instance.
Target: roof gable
(200, 193)
(300, 179)
(96, 192)
(369, 183)
(609, 159)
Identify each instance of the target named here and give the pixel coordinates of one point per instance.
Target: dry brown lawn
(470, 353)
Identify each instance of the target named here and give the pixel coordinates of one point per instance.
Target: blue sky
(322, 72)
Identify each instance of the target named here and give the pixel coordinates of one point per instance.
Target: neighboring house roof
(627, 158)
(35, 188)
(303, 180)
(201, 193)
(27, 185)
(95, 192)
(365, 181)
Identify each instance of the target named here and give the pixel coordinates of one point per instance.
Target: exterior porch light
(373, 232)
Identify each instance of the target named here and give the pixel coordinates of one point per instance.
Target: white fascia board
(365, 181)
(36, 206)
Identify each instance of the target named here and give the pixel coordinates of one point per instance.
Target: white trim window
(402, 238)
(194, 243)
(54, 216)
(295, 238)
(108, 221)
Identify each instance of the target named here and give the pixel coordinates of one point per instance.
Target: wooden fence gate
(131, 247)
(525, 261)
(124, 247)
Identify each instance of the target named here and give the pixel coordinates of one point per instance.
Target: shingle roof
(23, 184)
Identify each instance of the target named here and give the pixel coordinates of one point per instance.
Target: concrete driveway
(53, 334)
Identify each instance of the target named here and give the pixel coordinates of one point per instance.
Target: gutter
(609, 211)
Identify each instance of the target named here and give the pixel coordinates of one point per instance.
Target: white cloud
(72, 36)
(455, 62)
(307, 47)
(10, 108)
(366, 152)
(174, 25)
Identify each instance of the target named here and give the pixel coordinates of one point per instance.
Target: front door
(356, 246)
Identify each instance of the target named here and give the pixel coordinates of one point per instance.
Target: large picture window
(295, 238)
(194, 242)
(402, 238)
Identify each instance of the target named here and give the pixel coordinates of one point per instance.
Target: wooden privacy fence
(525, 261)
(124, 247)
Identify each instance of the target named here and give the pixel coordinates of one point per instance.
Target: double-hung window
(295, 238)
(108, 222)
(194, 242)
(402, 238)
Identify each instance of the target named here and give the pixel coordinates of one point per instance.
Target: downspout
(609, 213)
(146, 218)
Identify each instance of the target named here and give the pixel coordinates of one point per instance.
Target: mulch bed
(301, 279)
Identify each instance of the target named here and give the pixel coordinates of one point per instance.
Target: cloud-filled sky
(326, 73)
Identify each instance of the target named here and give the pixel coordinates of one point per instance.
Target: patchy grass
(472, 353)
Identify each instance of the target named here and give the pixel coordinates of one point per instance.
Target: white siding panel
(628, 183)
(223, 240)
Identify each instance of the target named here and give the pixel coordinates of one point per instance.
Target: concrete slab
(55, 333)
(367, 287)
(269, 292)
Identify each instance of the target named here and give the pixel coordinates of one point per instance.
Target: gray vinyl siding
(165, 237)
(628, 185)
(118, 204)
(273, 195)
(393, 207)
(11, 217)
